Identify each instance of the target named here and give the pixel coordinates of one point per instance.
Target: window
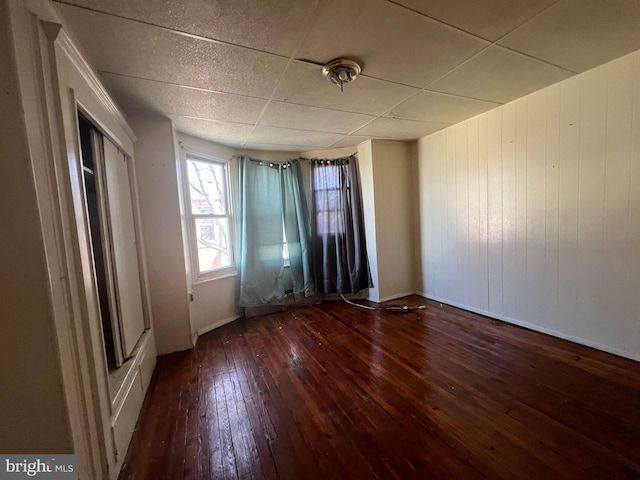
(328, 180)
(285, 247)
(209, 216)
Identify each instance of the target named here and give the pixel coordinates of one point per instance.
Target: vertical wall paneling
(520, 280)
(616, 200)
(462, 213)
(534, 210)
(509, 287)
(473, 274)
(536, 203)
(483, 209)
(568, 170)
(494, 208)
(551, 208)
(591, 178)
(443, 215)
(452, 214)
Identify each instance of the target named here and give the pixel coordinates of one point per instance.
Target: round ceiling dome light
(341, 71)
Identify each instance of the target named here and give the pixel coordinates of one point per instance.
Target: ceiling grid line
(242, 74)
(311, 20)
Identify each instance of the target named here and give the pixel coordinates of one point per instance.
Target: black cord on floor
(397, 309)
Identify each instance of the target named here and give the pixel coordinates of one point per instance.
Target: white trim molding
(219, 323)
(535, 328)
(91, 77)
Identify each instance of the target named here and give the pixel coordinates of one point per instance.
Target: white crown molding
(56, 33)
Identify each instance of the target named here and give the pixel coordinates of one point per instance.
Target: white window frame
(196, 274)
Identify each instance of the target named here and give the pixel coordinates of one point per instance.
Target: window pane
(331, 222)
(326, 177)
(212, 236)
(206, 187)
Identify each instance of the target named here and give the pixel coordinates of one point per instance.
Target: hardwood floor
(335, 391)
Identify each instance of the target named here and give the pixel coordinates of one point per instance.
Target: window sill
(211, 277)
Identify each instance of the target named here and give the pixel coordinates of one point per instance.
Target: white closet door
(123, 245)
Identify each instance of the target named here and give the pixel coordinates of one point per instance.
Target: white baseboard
(536, 328)
(397, 295)
(219, 323)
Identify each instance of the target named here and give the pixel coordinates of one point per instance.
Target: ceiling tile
(279, 114)
(226, 133)
(134, 49)
(134, 94)
(350, 141)
(269, 147)
(499, 75)
(580, 34)
(439, 107)
(393, 43)
(289, 136)
(242, 22)
(490, 19)
(403, 45)
(399, 129)
(304, 84)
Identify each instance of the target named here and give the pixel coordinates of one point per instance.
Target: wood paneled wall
(531, 212)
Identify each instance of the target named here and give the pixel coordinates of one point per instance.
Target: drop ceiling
(247, 73)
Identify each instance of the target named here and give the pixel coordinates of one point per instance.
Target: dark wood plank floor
(334, 391)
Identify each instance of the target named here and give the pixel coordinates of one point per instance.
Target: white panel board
(483, 208)
(494, 209)
(474, 285)
(125, 257)
(521, 208)
(451, 246)
(547, 233)
(463, 285)
(536, 161)
(508, 141)
(551, 216)
(568, 167)
(591, 178)
(616, 202)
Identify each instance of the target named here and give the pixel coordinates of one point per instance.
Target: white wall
(54, 385)
(386, 171)
(365, 164)
(34, 416)
(531, 212)
(156, 171)
(214, 301)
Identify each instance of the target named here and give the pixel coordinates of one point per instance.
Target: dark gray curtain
(337, 226)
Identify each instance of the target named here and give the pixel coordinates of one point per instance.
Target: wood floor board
(335, 391)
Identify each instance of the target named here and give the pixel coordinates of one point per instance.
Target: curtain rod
(276, 163)
(292, 159)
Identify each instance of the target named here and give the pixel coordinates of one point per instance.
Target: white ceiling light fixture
(341, 71)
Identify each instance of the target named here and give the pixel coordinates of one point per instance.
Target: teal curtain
(272, 206)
